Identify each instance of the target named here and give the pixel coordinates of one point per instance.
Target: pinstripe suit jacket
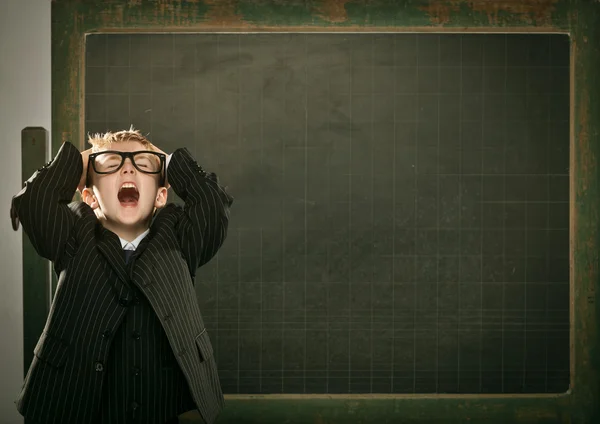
(64, 382)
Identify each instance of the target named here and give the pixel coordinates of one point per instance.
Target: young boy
(125, 341)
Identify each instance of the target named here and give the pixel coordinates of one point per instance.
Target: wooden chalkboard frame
(73, 19)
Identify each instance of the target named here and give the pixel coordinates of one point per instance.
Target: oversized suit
(64, 384)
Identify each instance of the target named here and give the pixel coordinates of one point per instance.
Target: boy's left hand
(85, 156)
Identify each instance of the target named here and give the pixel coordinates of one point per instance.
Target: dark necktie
(128, 255)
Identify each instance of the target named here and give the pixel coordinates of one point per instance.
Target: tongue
(128, 200)
(128, 196)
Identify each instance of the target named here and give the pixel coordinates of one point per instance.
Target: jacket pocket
(204, 346)
(51, 350)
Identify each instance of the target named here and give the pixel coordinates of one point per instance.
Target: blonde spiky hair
(101, 142)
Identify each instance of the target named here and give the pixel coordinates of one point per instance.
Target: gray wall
(25, 101)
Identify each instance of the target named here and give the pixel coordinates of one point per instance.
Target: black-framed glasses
(110, 161)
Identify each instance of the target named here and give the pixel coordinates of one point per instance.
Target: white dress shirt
(132, 245)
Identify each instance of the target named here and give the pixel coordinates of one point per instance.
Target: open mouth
(128, 194)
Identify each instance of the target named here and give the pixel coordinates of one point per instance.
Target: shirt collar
(133, 245)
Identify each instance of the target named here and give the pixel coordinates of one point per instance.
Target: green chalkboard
(401, 222)
(74, 21)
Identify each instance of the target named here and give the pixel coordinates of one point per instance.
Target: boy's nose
(128, 167)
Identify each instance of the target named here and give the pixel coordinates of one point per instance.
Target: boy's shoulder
(168, 215)
(81, 209)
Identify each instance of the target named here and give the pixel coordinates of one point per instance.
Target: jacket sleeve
(42, 205)
(202, 227)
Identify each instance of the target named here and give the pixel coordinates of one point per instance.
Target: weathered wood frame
(73, 19)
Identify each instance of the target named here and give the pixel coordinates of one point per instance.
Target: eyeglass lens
(112, 162)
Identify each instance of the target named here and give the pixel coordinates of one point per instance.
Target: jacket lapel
(143, 244)
(110, 246)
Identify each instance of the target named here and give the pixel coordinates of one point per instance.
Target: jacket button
(106, 334)
(124, 301)
(99, 367)
(136, 371)
(136, 335)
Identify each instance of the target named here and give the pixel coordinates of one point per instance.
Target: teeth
(128, 185)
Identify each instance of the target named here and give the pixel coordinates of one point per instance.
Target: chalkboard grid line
(327, 351)
(399, 119)
(372, 206)
(548, 123)
(527, 147)
(394, 226)
(525, 344)
(305, 202)
(437, 270)
(350, 240)
(260, 356)
(416, 171)
(504, 140)
(422, 66)
(104, 81)
(460, 229)
(239, 241)
(217, 256)
(128, 75)
(283, 232)
(481, 214)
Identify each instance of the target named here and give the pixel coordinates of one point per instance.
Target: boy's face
(126, 198)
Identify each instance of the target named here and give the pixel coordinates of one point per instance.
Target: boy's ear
(161, 198)
(88, 197)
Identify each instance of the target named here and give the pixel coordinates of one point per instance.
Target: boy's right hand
(85, 157)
